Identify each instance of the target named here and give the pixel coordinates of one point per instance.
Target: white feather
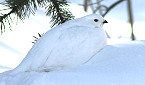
(70, 44)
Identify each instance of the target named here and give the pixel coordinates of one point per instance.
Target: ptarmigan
(68, 45)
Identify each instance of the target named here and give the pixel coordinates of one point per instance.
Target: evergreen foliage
(59, 12)
(36, 38)
(23, 8)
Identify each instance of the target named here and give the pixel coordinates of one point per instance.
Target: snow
(118, 64)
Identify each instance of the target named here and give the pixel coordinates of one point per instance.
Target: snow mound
(120, 64)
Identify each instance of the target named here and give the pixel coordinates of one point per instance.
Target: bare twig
(85, 5)
(112, 6)
(130, 18)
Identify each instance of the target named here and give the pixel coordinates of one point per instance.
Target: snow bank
(121, 64)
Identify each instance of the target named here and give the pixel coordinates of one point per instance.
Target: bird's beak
(105, 22)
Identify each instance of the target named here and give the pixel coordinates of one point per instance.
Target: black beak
(105, 21)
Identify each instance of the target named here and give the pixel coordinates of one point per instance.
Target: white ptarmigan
(70, 44)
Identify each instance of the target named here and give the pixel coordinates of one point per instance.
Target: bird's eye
(96, 20)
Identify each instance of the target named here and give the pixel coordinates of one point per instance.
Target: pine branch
(57, 9)
(4, 18)
(36, 38)
(17, 7)
(23, 8)
(6, 15)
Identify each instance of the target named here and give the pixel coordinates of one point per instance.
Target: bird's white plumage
(67, 45)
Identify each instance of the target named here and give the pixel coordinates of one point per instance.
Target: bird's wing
(74, 45)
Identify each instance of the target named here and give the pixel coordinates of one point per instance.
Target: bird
(67, 45)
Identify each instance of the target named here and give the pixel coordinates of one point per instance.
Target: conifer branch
(23, 8)
(57, 9)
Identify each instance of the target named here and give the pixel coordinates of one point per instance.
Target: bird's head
(94, 20)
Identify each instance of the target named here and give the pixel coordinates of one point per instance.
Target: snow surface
(120, 64)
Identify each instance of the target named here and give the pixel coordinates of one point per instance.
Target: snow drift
(120, 64)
